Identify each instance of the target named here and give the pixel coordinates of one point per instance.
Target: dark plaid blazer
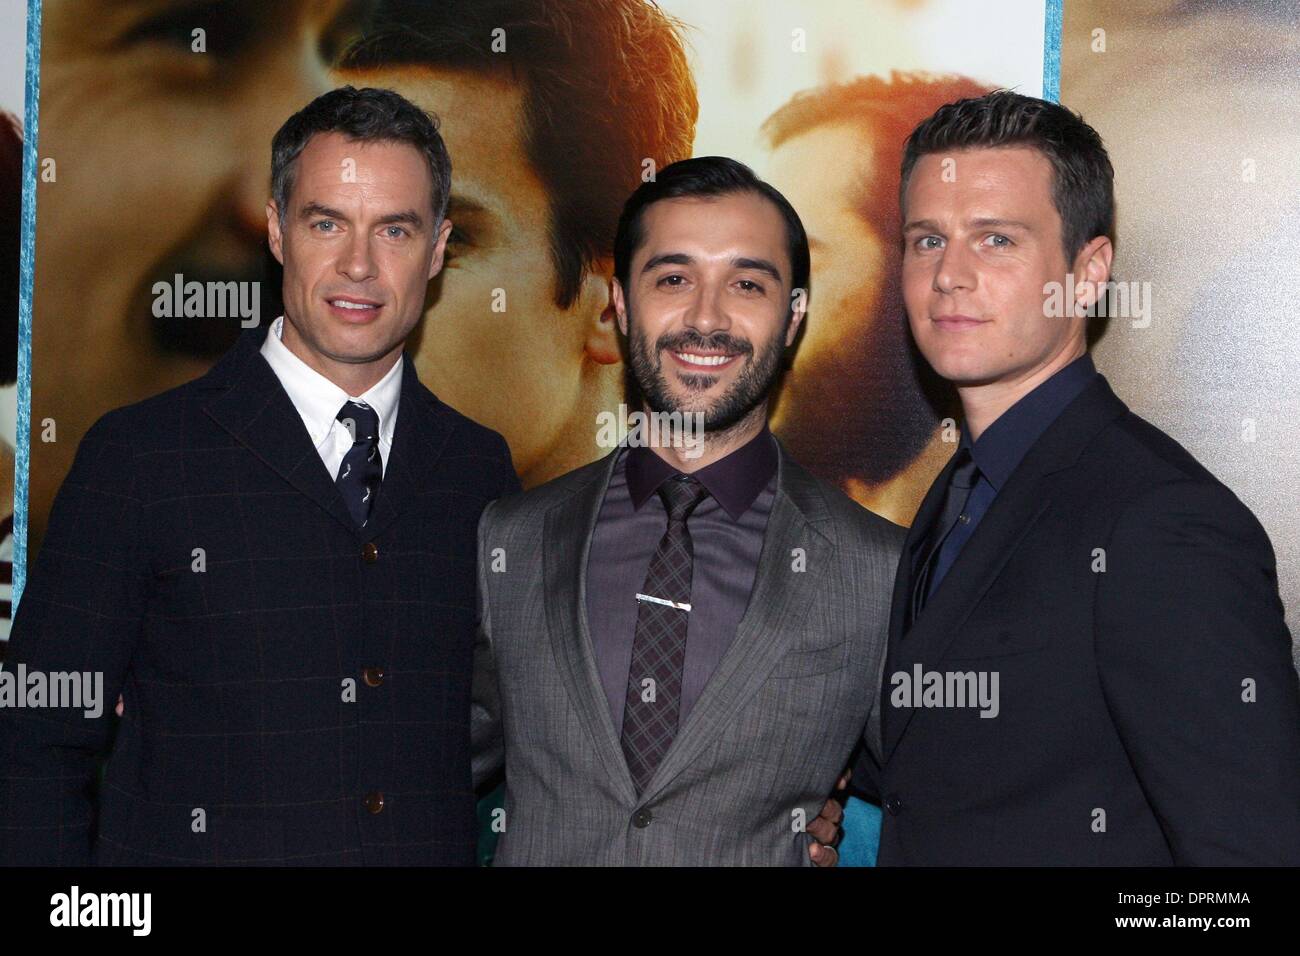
(297, 691)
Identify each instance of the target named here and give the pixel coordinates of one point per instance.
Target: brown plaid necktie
(654, 681)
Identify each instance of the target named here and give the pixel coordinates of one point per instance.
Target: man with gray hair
(272, 564)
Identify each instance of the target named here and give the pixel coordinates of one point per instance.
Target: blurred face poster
(157, 127)
(155, 132)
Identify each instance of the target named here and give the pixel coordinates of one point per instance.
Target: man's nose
(708, 311)
(956, 270)
(357, 259)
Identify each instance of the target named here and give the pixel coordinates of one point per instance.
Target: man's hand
(826, 830)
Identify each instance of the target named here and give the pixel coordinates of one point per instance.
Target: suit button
(374, 801)
(893, 804)
(373, 676)
(641, 819)
(370, 552)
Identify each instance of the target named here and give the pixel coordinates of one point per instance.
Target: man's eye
(673, 280)
(320, 225)
(928, 242)
(998, 241)
(396, 232)
(749, 285)
(226, 30)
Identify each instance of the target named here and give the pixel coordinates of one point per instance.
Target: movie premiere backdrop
(153, 163)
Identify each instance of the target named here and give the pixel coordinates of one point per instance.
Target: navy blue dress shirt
(1004, 444)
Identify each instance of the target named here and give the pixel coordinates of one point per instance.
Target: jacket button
(893, 804)
(370, 552)
(374, 801)
(641, 819)
(373, 676)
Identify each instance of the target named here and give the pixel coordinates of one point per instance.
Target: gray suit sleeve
(487, 742)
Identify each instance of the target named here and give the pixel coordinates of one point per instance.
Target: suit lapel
(1017, 507)
(252, 405)
(420, 435)
(778, 609)
(566, 544)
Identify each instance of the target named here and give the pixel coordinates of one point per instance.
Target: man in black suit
(1088, 658)
(273, 564)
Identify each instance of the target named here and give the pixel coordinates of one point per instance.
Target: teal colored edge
(22, 458)
(1052, 21)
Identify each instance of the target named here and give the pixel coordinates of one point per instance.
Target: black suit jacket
(296, 690)
(1149, 710)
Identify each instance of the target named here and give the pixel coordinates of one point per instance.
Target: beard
(750, 390)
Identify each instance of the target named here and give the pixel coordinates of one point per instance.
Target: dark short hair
(366, 116)
(706, 177)
(606, 83)
(1083, 180)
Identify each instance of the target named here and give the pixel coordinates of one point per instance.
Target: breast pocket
(1002, 633)
(810, 661)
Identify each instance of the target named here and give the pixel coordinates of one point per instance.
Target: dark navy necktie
(964, 475)
(362, 468)
(654, 680)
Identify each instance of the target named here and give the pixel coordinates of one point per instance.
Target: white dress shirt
(318, 401)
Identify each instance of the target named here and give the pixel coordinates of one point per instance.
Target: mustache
(716, 342)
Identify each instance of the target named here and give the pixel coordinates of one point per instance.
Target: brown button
(374, 801)
(370, 552)
(373, 676)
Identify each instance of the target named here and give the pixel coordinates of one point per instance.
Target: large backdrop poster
(155, 131)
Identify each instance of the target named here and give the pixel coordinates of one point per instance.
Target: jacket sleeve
(1194, 658)
(81, 614)
(487, 741)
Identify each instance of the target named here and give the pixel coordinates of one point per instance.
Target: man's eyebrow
(317, 209)
(682, 259)
(994, 223)
(667, 258)
(409, 216)
(929, 225)
(758, 265)
(984, 222)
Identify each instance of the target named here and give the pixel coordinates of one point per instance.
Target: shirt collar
(1004, 443)
(318, 400)
(734, 481)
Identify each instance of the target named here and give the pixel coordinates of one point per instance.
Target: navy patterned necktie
(654, 681)
(362, 468)
(962, 479)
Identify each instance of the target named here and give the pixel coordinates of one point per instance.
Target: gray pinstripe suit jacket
(762, 748)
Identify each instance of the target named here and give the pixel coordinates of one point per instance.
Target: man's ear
(439, 247)
(1091, 272)
(273, 237)
(600, 338)
(798, 312)
(619, 303)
